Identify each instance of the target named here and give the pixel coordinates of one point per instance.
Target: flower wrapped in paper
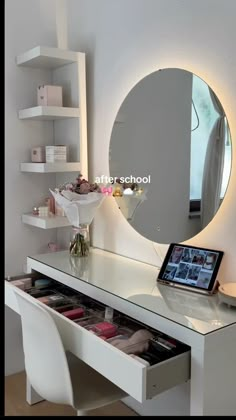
(79, 209)
(80, 201)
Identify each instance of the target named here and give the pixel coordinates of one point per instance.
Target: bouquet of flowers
(79, 200)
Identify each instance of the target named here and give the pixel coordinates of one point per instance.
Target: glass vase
(80, 241)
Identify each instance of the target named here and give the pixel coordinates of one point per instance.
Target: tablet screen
(191, 266)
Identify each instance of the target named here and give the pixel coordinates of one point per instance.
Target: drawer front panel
(133, 377)
(112, 363)
(10, 298)
(167, 374)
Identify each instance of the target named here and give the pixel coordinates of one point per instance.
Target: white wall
(125, 40)
(28, 23)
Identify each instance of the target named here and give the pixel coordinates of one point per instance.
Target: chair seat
(91, 390)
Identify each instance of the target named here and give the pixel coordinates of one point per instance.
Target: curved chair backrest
(45, 359)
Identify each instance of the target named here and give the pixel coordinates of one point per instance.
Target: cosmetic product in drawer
(71, 294)
(137, 343)
(74, 313)
(43, 283)
(104, 329)
(88, 321)
(48, 297)
(23, 284)
(52, 299)
(36, 293)
(66, 307)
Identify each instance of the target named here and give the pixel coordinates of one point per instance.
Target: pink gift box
(49, 95)
(38, 154)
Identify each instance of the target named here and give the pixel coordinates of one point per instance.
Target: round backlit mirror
(170, 155)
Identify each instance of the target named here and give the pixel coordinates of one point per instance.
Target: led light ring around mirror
(172, 129)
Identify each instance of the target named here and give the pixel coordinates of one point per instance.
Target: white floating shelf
(45, 222)
(50, 167)
(47, 57)
(48, 113)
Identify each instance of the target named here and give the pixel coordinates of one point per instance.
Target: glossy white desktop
(129, 286)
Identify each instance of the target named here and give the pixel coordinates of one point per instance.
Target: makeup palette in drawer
(139, 378)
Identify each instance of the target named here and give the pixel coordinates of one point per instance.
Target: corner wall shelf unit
(49, 222)
(48, 113)
(67, 69)
(47, 57)
(50, 167)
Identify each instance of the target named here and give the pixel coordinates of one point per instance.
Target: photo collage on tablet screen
(191, 266)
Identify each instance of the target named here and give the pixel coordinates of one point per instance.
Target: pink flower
(84, 188)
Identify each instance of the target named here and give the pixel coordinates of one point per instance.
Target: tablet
(191, 268)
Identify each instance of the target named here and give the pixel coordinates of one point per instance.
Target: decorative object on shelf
(128, 191)
(107, 190)
(128, 204)
(38, 154)
(50, 203)
(49, 95)
(128, 197)
(59, 211)
(56, 153)
(35, 211)
(53, 247)
(117, 192)
(79, 200)
(43, 211)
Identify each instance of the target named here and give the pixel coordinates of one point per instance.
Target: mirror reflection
(171, 141)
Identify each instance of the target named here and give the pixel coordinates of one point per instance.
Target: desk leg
(31, 395)
(213, 376)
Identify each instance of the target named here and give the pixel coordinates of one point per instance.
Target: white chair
(56, 375)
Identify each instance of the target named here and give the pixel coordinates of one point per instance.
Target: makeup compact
(23, 284)
(74, 313)
(51, 299)
(106, 329)
(42, 283)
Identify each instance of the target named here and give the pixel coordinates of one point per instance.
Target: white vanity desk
(129, 286)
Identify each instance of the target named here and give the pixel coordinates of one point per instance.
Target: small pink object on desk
(53, 247)
(74, 313)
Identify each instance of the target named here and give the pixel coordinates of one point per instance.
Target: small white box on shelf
(49, 95)
(56, 154)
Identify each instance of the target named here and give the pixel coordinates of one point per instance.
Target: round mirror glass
(170, 156)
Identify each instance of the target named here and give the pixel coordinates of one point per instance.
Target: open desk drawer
(133, 377)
